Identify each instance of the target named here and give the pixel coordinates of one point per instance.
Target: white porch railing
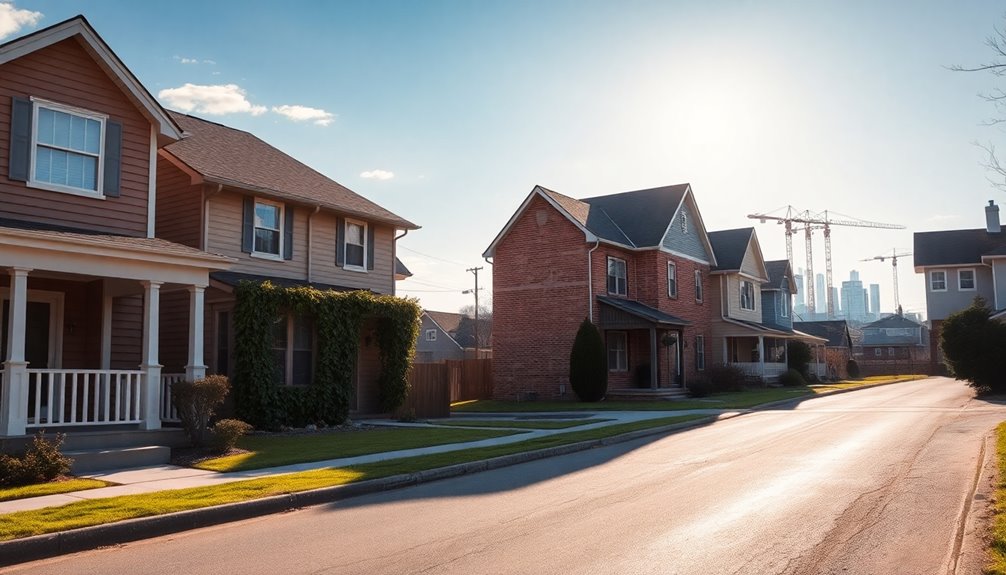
(772, 370)
(168, 412)
(67, 397)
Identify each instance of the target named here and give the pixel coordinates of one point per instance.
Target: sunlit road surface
(872, 481)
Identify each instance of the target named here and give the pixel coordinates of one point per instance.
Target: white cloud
(377, 175)
(210, 62)
(185, 60)
(305, 114)
(13, 19)
(214, 100)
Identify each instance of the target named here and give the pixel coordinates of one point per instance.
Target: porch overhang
(741, 328)
(630, 314)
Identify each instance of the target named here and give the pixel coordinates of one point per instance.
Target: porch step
(88, 460)
(661, 394)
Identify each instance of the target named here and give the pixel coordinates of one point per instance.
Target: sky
(448, 113)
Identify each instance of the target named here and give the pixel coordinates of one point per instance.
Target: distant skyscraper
(800, 307)
(834, 298)
(854, 301)
(875, 301)
(820, 296)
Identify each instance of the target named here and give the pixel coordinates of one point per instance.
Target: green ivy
(338, 318)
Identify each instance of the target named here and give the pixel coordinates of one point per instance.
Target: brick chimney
(992, 218)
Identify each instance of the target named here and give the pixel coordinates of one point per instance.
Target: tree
(588, 364)
(973, 347)
(798, 357)
(465, 334)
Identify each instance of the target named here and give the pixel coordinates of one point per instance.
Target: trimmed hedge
(338, 318)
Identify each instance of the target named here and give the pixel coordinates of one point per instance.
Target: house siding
(690, 243)
(940, 305)
(772, 310)
(732, 284)
(127, 332)
(173, 348)
(434, 351)
(381, 279)
(65, 74)
(179, 206)
(999, 273)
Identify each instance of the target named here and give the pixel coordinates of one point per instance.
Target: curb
(88, 538)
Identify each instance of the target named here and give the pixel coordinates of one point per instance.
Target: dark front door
(36, 345)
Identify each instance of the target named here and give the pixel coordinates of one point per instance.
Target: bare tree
(465, 335)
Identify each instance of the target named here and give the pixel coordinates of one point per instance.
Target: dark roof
(730, 247)
(835, 331)
(449, 322)
(234, 278)
(897, 321)
(401, 270)
(236, 158)
(636, 219)
(642, 311)
(758, 327)
(778, 270)
(952, 247)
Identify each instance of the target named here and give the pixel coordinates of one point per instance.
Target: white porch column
(14, 394)
(196, 368)
(152, 380)
(654, 364)
(106, 330)
(761, 356)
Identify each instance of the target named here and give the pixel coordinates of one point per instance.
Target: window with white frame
(431, 335)
(747, 295)
(66, 151)
(617, 283)
(618, 351)
(698, 285)
(937, 280)
(293, 349)
(700, 352)
(966, 280)
(268, 228)
(672, 280)
(356, 244)
(783, 304)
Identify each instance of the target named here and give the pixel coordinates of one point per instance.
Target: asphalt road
(869, 482)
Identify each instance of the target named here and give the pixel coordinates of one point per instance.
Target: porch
(763, 352)
(644, 347)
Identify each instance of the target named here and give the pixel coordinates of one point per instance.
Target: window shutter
(288, 232)
(340, 241)
(113, 158)
(370, 246)
(248, 226)
(20, 139)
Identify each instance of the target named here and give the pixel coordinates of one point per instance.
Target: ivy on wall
(338, 318)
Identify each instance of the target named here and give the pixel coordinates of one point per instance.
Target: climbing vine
(338, 319)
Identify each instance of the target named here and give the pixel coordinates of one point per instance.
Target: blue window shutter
(20, 139)
(288, 232)
(340, 241)
(113, 158)
(370, 246)
(248, 225)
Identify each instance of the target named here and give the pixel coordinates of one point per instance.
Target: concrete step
(88, 460)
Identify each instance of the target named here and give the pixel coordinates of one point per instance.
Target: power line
(452, 262)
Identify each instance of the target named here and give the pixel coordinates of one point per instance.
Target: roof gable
(835, 331)
(78, 27)
(779, 275)
(738, 251)
(688, 237)
(893, 321)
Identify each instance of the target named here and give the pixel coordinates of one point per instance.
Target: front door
(37, 336)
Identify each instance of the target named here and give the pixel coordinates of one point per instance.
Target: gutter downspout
(310, 242)
(590, 281)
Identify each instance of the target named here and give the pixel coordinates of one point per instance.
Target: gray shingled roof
(642, 311)
(951, 247)
(448, 321)
(730, 247)
(894, 321)
(401, 270)
(835, 331)
(778, 270)
(236, 158)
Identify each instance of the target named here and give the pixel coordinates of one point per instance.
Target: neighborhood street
(872, 481)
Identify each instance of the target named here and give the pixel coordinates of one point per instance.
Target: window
(356, 244)
(966, 280)
(293, 349)
(698, 285)
(66, 148)
(877, 352)
(431, 335)
(700, 352)
(684, 223)
(616, 276)
(890, 352)
(783, 304)
(672, 280)
(938, 280)
(747, 295)
(618, 354)
(268, 230)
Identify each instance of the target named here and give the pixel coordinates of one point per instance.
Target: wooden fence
(436, 385)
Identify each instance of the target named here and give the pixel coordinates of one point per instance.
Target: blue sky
(448, 113)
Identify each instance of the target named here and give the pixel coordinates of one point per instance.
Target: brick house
(838, 346)
(636, 264)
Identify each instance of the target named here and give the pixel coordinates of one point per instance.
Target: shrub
(792, 378)
(195, 402)
(42, 462)
(726, 377)
(588, 364)
(798, 356)
(973, 347)
(852, 368)
(227, 432)
(700, 387)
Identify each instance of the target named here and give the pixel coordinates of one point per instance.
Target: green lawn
(736, 400)
(276, 450)
(872, 380)
(518, 424)
(101, 511)
(997, 545)
(51, 488)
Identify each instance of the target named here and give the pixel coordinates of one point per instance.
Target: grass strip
(734, 400)
(277, 450)
(854, 383)
(51, 488)
(997, 537)
(519, 424)
(112, 509)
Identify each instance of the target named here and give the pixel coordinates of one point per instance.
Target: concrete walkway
(164, 477)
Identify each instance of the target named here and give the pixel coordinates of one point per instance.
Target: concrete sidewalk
(165, 477)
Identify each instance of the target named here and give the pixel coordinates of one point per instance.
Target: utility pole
(476, 292)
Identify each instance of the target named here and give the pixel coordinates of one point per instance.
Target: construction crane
(894, 266)
(817, 221)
